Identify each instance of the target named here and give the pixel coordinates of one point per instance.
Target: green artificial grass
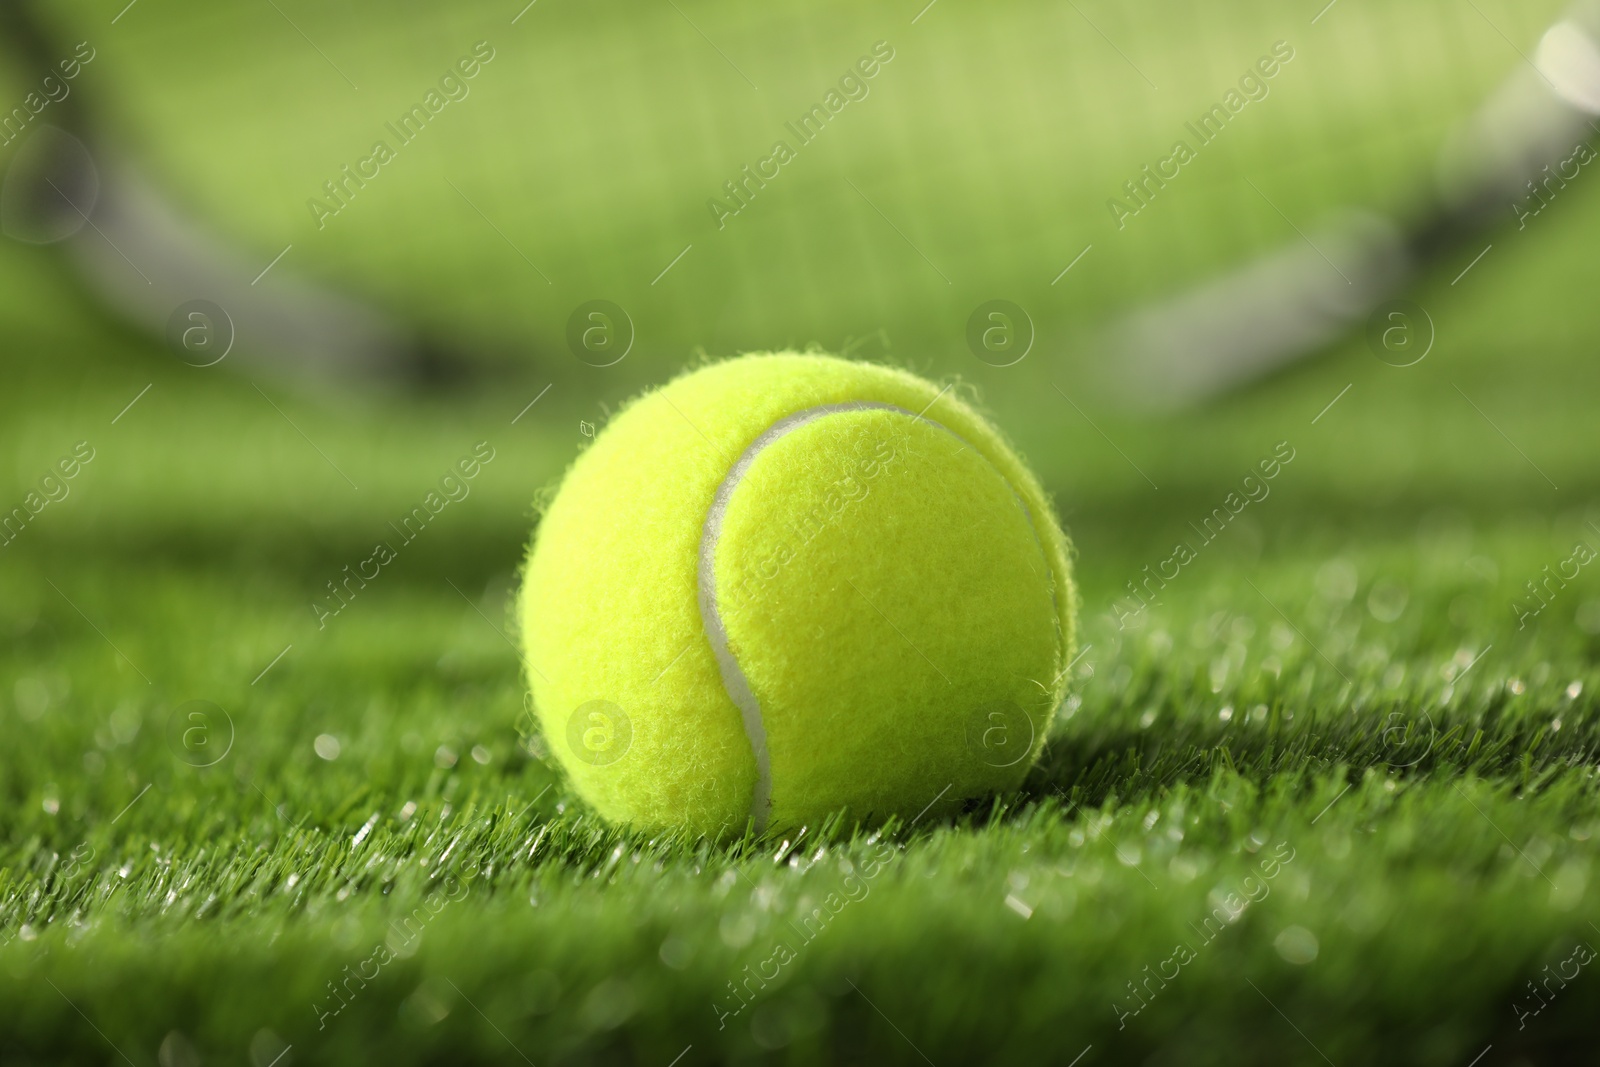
(1431, 825)
(1335, 688)
(1324, 801)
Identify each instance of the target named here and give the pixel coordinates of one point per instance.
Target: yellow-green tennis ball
(788, 584)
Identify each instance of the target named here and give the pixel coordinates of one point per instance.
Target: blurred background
(348, 349)
(578, 163)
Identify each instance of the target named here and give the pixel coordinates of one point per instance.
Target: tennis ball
(785, 585)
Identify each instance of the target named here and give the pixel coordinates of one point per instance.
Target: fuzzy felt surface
(913, 641)
(886, 597)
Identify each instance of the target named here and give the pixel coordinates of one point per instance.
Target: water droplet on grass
(1297, 945)
(1387, 601)
(676, 953)
(1336, 580)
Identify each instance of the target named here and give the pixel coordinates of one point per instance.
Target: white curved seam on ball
(734, 681)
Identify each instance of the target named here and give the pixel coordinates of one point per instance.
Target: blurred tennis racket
(581, 167)
(70, 186)
(1501, 165)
